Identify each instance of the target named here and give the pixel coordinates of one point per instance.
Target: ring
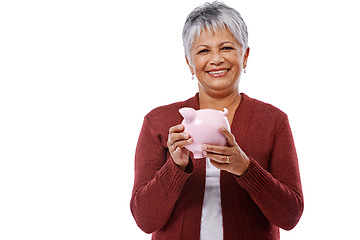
(227, 160)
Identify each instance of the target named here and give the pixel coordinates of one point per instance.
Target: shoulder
(268, 109)
(265, 112)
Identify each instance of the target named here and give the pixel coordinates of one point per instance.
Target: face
(218, 61)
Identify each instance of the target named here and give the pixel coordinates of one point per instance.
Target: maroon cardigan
(167, 202)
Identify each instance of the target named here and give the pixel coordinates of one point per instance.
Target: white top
(211, 227)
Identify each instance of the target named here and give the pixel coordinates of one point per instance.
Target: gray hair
(213, 16)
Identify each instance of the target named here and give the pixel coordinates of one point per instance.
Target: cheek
(235, 60)
(200, 64)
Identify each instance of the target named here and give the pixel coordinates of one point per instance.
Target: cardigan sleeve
(277, 192)
(157, 184)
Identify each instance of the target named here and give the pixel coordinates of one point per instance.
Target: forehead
(214, 37)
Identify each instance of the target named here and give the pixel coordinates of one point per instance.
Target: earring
(192, 77)
(244, 70)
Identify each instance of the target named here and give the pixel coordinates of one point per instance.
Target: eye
(227, 48)
(203, 51)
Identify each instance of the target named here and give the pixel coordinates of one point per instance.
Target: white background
(77, 78)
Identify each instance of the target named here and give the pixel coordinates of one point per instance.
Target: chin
(217, 91)
(219, 84)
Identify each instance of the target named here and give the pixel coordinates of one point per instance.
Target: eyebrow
(219, 44)
(227, 42)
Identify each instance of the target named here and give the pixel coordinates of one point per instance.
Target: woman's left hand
(230, 157)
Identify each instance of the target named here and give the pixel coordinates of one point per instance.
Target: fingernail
(222, 129)
(203, 147)
(204, 153)
(186, 135)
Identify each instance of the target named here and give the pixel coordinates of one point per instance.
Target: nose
(216, 58)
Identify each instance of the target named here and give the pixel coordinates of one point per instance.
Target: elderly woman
(247, 189)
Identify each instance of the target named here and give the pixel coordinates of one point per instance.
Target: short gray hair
(213, 16)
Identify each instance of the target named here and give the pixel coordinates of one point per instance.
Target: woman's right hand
(176, 143)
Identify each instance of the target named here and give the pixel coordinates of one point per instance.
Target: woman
(247, 189)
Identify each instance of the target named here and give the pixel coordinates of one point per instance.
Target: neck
(230, 101)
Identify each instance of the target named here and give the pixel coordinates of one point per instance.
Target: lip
(218, 72)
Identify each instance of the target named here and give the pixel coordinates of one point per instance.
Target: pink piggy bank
(203, 127)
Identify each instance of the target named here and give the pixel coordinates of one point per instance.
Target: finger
(216, 157)
(180, 144)
(174, 137)
(181, 157)
(220, 166)
(177, 153)
(176, 133)
(176, 129)
(229, 136)
(222, 150)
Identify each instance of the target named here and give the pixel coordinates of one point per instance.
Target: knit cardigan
(167, 202)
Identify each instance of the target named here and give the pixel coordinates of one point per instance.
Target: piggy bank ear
(188, 114)
(225, 112)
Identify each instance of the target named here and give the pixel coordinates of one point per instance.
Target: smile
(218, 73)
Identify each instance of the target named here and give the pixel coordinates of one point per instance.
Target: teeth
(217, 72)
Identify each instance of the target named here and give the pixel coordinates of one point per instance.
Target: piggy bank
(203, 126)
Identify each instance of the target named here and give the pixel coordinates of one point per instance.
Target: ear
(188, 114)
(246, 56)
(189, 64)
